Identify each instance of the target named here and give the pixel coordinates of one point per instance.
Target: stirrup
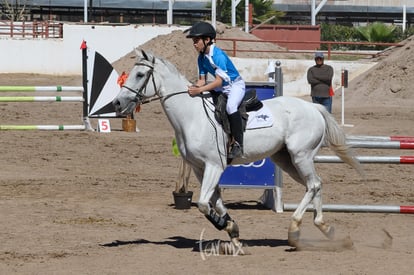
(236, 151)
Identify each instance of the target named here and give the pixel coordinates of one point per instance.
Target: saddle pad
(261, 118)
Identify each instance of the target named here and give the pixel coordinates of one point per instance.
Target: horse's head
(139, 85)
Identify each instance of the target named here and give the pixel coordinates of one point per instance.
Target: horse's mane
(149, 56)
(169, 65)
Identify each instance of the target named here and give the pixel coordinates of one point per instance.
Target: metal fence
(236, 48)
(31, 29)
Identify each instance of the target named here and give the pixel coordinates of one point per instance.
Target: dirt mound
(387, 83)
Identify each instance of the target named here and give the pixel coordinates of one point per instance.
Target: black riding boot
(237, 133)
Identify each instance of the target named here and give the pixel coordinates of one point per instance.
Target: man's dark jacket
(320, 79)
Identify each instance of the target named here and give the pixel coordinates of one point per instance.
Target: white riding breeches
(235, 92)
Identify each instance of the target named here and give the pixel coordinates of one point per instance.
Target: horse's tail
(336, 140)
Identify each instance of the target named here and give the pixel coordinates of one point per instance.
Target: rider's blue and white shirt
(218, 62)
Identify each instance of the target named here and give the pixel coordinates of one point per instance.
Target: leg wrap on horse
(224, 222)
(219, 222)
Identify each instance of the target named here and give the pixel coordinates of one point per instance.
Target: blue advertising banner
(256, 174)
(259, 174)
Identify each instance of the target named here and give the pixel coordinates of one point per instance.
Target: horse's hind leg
(301, 168)
(326, 229)
(314, 194)
(284, 160)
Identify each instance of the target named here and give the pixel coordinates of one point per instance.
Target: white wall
(64, 57)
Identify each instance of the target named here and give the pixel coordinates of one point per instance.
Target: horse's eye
(140, 74)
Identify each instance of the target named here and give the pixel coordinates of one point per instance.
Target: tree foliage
(371, 33)
(377, 32)
(262, 10)
(13, 9)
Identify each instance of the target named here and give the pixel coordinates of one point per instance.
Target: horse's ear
(141, 54)
(137, 52)
(148, 56)
(144, 54)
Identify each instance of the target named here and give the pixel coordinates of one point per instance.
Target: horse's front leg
(211, 204)
(231, 226)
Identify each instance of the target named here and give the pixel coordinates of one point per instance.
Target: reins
(164, 98)
(210, 120)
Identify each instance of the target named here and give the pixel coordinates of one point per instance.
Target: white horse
(300, 128)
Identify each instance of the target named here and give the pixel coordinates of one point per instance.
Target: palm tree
(377, 32)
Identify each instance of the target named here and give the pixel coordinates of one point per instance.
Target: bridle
(140, 94)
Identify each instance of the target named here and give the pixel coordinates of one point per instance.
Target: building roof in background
(202, 5)
(123, 4)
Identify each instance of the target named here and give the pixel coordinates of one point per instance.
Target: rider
(213, 60)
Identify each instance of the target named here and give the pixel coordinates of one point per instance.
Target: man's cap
(319, 54)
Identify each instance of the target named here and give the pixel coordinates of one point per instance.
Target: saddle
(249, 103)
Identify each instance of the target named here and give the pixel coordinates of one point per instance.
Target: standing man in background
(320, 78)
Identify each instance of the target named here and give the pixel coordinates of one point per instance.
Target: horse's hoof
(327, 230)
(234, 248)
(330, 232)
(232, 229)
(236, 242)
(293, 238)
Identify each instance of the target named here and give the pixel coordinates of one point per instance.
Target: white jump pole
(41, 98)
(368, 159)
(349, 208)
(57, 88)
(43, 127)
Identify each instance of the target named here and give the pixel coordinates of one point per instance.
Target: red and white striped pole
(379, 144)
(383, 138)
(349, 208)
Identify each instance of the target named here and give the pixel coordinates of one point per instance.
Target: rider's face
(198, 43)
(196, 40)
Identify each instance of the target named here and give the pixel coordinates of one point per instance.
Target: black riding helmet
(201, 29)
